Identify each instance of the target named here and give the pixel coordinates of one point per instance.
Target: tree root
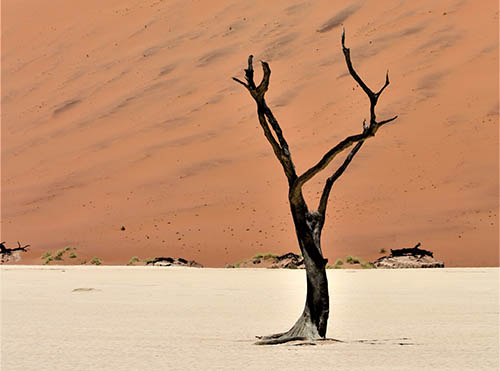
(273, 336)
(280, 340)
(283, 338)
(303, 330)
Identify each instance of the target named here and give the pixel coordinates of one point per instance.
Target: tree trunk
(313, 321)
(312, 324)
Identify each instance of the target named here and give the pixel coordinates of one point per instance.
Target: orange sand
(124, 113)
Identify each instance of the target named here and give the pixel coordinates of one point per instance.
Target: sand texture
(123, 113)
(153, 318)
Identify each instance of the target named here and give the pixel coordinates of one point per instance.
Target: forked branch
(268, 122)
(275, 137)
(329, 182)
(368, 131)
(371, 95)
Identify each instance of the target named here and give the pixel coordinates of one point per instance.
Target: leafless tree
(312, 324)
(6, 252)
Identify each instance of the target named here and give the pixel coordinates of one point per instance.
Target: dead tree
(8, 251)
(312, 324)
(414, 251)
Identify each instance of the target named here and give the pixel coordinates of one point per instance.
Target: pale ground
(142, 318)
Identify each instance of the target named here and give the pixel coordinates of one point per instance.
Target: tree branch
(19, 247)
(385, 85)
(249, 73)
(8, 251)
(266, 118)
(329, 182)
(354, 74)
(277, 129)
(241, 82)
(387, 121)
(368, 130)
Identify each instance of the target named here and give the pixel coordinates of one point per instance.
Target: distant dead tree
(312, 324)
(6, 252)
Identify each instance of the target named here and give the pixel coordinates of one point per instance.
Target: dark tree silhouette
(312, 324)
(6, 252)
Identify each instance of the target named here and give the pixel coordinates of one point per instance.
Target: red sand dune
(124, 113)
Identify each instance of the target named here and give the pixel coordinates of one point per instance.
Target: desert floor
(141, 318)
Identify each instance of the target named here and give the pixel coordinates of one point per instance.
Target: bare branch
(241, 82)
(258, 94)
(264, 84)
(385, 85)
(277, 129)
(347, 54)
(329, 182)
(371, 95)
(368, 130)
(266, 117)
(249, 73)
(268, 134)
(23, 248)
(387, 121)
(328, 157)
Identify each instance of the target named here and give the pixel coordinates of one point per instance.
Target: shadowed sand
(122, 112)
(131, 318)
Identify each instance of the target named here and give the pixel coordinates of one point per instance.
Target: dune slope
(123, 113)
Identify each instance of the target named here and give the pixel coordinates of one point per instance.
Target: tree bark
(312, 324)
